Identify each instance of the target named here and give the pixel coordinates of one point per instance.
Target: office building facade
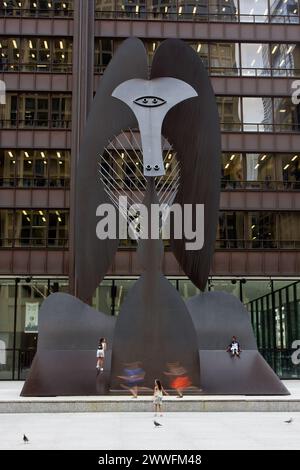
(52, 56)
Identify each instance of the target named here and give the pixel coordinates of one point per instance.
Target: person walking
(158, 394)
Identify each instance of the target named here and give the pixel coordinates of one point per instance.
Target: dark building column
(82, 96)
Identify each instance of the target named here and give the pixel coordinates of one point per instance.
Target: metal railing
(8, 12)
(35, 182)
(21, 358)
(177, 15)
(35, 67)
(281, 362)
(35, 123)
(256, 244)
(132, 182)
(34, 242)
(259, 185)
(260, 127)
(236, 71)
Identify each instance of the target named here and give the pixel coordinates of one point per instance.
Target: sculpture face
(150, 100)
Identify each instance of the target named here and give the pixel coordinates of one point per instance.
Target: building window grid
(238, 67)
(35, 110)
(233, 11)
(37, 8)
(36, 54)
(34, 168)
(34, 228)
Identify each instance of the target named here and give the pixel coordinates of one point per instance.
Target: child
(234, 347)
(101, 354)
(158, 394)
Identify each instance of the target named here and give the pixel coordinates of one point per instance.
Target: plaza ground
(180, 430)
(199, 431)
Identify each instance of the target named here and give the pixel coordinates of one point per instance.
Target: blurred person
(181, 380)
(133, 376)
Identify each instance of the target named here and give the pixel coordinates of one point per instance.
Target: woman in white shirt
(102, 346)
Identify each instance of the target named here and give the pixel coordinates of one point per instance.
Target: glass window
(232, 171)
(229, 112)
(7, 168)
(223, 11)
(202, 50)
(7, 294)
(253, 289)
(230, 232)
(166, 9)
(58, 228)
(120, 291)
(262, 229)
(285, 59)
(6, 227)
(187, 289)
(288, 170)
(285, 11)
(288, 229)
(134, 9)
(255, 59)
(254, 11)
(260, 170)
(22, 227)
(59, 168)
(104, 8)
(226, 285)
(224, 58)
(286, 115)
(257, 114)
(103, 53)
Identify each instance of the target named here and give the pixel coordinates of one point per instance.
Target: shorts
(157, 400)
(100, 353)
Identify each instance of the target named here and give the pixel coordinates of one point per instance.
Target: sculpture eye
(149, 101)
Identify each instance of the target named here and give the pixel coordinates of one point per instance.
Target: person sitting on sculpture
(234, 347)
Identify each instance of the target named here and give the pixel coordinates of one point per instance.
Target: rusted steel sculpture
(157, 334)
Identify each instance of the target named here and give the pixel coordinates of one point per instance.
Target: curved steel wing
(192, 127)
(107, 118)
